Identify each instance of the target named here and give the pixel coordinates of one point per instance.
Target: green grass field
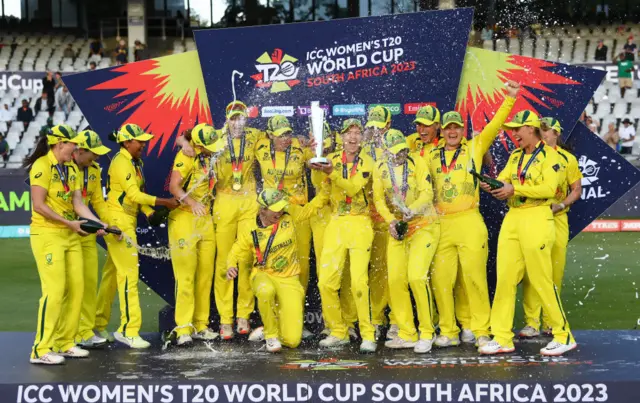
(606, 264)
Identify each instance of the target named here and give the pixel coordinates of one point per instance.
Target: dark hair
(564, 145)
(113, 136)
(187, 134)
(41, 148)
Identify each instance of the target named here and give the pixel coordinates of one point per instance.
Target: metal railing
(155, 27)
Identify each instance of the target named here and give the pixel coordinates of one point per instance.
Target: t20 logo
(276, 71)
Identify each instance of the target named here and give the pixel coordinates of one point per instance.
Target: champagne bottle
(92, 227)
(402, 227)
(493, 183)
(159, 216)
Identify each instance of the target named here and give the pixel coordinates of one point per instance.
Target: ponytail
(41, 149)
(187, 134)
(113, 136)
(564, 145)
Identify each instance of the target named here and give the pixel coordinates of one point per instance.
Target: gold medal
(237, 186)
(237, 180)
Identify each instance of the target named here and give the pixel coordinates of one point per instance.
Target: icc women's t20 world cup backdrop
(402, 61)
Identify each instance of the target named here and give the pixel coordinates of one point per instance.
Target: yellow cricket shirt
(126, 186)
(90, 184)
(45, 173)
(195, 172)
(224, 167)
(456, 189)
(540, 183)
(416, 145)
(569, 173)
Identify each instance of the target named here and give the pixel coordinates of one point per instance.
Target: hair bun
(113, 136)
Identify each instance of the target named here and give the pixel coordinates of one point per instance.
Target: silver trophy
(317, 129)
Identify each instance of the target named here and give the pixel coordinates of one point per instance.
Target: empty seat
(527, 48)
(501, 45)
(514, 46)
(619, 110)
(485, 45)
(554, 49)
(603, 110)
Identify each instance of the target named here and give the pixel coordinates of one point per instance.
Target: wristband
(562, 206)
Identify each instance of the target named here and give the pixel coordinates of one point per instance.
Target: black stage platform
(604, 368)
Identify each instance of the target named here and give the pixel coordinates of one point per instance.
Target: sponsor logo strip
(349, 110)
(395, 109)
(412, 109)
(268, 111)
(613, 226)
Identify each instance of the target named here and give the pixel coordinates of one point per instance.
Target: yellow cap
(378, 117)
(278, 125)
(206, 136)
(131, 131)
(394, 141)
(523, 118)
(273, 199)
(62, 134)
(236, 108)
(91, 141)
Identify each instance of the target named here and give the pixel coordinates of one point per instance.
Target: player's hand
(485, 187)
(392, 229)
(326, 168)
(168, 203)
(117, 229)
(197, 208)
(232, 273)
(512, 88)
(408, 216)
(75, 226)
(504, 192)
(556, 208)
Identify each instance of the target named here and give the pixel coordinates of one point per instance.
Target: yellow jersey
(416, 145)
(126, 186)
(569, 174)
(346, 188)
(534, 176)
(90, 184)
(409, 184)
(196, 172)
(243, 158)
(456, 189)
(60, 181)
(284, 170)
(273, 249)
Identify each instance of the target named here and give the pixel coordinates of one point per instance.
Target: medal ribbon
(63, 177)
(236, 164)
(434, 142)
(405, 179)
(205, 169)
(85, 183)
(522, 173)
(443, 160)
(345, 174)
(287, 155)
(262, 259)
(138, 166)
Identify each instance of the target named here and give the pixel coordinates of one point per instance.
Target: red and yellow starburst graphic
(481, 90)
(165, 94)
(276, 71)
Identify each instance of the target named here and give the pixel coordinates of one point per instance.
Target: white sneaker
(105, 335)
(467, 336)
(92, 342)
(50, 358)
(529, 331)
(482, 341)
(392, 333)
(257, 334)
(184, 340)
(133, 342)
(75, 352)
(423, 346)
(306, 334)
(205, 335)
(399, 343)
(333, 342)
(226, 332)
(554, 348)
(547, 332)
(444, 341)
(243, 326)
(493, 347)
(273, 345)
(353, 334)
(368, 347)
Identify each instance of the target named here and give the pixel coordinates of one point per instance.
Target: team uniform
(462, 251)
(568, 174)
(408, 260)
(349, 230)
(234, 211)
(58, 254)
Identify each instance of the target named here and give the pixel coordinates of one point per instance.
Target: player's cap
(132, 131)
(62, 134)
(523, 118)
(452, 118)
(349, 123)
(378, 117)
(273, 199)
(427, 115)
(206, 136)
(552, 123)
(236, 108)
(278, 125)
(91, 141)
(394, 141)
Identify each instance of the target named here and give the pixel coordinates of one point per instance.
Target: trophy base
(319, 160)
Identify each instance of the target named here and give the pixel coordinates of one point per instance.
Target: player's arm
(241, 251)
(546, 189)
(302, 213)
(491, 130)
(125, 174)
(574, 176)
(354, 184)
(379, 199)
(98, 202)
(424, 188)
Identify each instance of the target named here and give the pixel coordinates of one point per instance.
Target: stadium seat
(501, 46)
(590, 109)
(514, 46)
(619, 110)
(541, 49)
(613, 95)
(554, 49)
(603, 110)
(488, 45)
(527, 48)
(579, 50)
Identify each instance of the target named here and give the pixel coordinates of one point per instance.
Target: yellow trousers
(231, 214)
(303, 240)
(353, 234)
(532, 304)
(526, 238)
(462, 255)
(125, 258)
(318, 225)
(58, 255)
(463, 310)
(281, 305)
(90, 294)
(378, 279)
(193, 249)
(408, 262)
(106, 294)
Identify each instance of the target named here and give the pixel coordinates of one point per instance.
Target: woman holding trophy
(403, 195)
